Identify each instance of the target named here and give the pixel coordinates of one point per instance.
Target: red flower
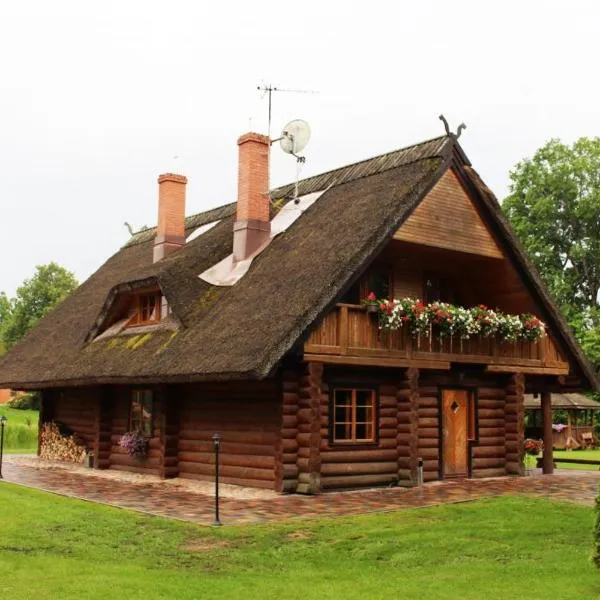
(371, 297)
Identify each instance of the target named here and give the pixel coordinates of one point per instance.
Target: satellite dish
(295, 136)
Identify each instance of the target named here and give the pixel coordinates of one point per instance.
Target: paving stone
(160, 499)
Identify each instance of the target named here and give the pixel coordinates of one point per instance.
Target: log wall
(76, 408)
(362, 464)
(248, 417)
(514, 424)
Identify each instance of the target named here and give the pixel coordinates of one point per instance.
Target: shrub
(55, 446)
(26, 401)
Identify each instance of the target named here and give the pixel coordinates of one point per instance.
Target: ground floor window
(141, 412)
(354, 415)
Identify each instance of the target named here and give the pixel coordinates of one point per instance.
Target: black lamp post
(2, 423)
(216, 438)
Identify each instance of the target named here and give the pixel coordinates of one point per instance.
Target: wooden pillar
(103, 429)
(514, 425)
(169, 432)
(286, 455)
(309, 430)
(547, 460)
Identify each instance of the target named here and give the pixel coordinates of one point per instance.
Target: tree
(35, 298)
(4, 315)
(554, 206)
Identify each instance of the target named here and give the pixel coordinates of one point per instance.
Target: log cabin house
(247, 320)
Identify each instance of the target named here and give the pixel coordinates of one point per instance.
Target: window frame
(138, 300)
(142, 402)
(332, 422)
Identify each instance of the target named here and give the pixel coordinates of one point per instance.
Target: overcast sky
(96, 99)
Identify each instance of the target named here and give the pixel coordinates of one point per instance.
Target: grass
(577, 454)
(499, 548)
(21, 429)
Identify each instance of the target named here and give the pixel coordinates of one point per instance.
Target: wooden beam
(527, 369)
(547, 462)
(378, 362)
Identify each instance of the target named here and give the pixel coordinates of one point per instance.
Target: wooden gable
(447, 218)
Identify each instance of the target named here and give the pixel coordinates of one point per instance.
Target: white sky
(96, 98)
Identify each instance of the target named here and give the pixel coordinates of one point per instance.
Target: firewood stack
(55, 446)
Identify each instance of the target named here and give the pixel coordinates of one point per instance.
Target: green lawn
(53, 547)
(577, 454)
(20, 433)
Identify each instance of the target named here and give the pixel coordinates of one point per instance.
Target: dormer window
(148, 308)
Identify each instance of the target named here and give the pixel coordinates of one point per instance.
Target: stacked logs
(514, 424)
(489, 454)
(54, 446)
(286, 468)
(428, 428)
(407, 439)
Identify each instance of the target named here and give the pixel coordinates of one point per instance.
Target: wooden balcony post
(547, 460)
(343, 329)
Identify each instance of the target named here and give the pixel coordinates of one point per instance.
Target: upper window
(354, 415)
(436, 288)
(148, 308)
(141, 412)
(376, 280)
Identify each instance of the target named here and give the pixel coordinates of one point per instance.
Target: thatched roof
(245, 330)
(563, 401)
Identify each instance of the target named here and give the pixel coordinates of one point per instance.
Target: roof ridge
(363, 161)
(142, 233)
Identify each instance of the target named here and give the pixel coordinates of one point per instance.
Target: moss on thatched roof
(244, 330)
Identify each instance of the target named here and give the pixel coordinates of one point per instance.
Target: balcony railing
(350, 334)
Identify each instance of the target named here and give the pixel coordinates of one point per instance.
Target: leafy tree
(554, 206)
(35, 298)
(4, 315)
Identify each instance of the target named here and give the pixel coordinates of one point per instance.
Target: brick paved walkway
(155, 497)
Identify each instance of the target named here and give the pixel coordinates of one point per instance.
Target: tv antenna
(268, 89)
(294, 137)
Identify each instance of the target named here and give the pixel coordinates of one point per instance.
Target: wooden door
(455, 426)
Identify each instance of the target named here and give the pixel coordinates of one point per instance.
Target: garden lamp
(216, 438)
(2, 424)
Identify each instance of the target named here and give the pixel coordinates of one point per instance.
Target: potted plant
(135, 444)
(371, 303)
(532, 449)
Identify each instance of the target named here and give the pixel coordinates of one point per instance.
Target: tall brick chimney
(252, 226)
(170, 232)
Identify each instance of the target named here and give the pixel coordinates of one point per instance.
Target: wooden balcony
(349, 335)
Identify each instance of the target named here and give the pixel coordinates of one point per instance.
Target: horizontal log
(497, 404)
(360, 468)
(491, 423)
(239, 460)
(491, 431)
(428, 453)
(388, 412)
(489, 393)
(428, 432)
(259, 483)
(428, 443)
(491, 413)
(491, 472)
(404, 474)
(289, 397)
(404, 462)
(428, 423)
(431, 475)
(428, 403)
(489, 451)
(431, 465)
(126, 460)
(428, 413)
(246, 473)
(249, 437)
(372, 455)
(388, 390)
(514, 467)
(352, 481)
(490, 441)
(488, 463)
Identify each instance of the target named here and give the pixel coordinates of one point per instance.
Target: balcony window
(354, 416)
(149, 308)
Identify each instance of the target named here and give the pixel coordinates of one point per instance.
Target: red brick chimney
(252, 226)
(170, 232)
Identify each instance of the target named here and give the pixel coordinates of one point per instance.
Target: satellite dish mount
(294, 138)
